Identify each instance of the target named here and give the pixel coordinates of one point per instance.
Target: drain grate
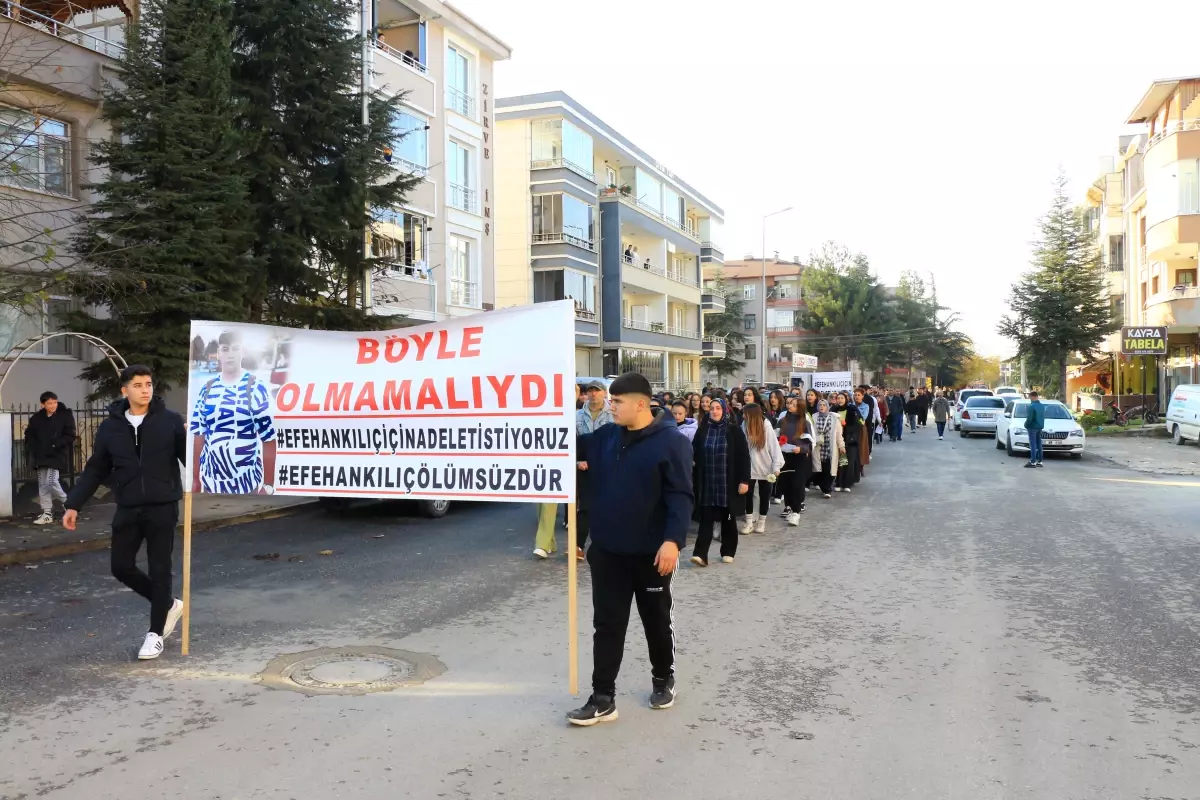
(350, 670)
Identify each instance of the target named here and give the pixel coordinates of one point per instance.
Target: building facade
(771, 320)
(440, 244)
(584, 214)
(57, 56)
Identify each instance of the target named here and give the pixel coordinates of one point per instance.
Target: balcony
(563, 238)
(460, 102)
(714, 347)
(627, 198)
(791, 301)
(1181, 126)
(1179, 307)
(658, 327)
(670, 274)
(711, 253)
(15, 12)
(563, 163)
(1174, 237)
(712, 302)
(463, 197)
(398, 71)
(785, 330)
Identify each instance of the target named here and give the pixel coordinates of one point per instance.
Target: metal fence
(87, 420)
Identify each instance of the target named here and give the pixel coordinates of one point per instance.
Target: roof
(754, 269)
(515, 107)
(453, 17)
(1154, 97)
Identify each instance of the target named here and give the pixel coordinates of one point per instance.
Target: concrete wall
(514, 286)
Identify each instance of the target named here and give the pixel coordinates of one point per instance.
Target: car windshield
(969, 393)
(1058, 412)
(985, 402)
(1007, 390)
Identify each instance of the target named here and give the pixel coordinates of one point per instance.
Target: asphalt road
(959, 627)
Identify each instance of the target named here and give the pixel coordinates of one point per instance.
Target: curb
(92, 545)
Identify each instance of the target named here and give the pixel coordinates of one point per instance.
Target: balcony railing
(672, 274)
(679, 277)
(1172, 129)
(464, 293)
(460, 102)
(583, 314)
(400, 270)
(404, 165)
(404, 58)
(1142, 256)
(648, 210)
(659, 327)
(462, 197)
(554, 238)
(555, 163)
(32, 19)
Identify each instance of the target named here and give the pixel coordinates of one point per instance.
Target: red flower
(782, 439)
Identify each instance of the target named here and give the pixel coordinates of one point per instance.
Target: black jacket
(913, 405)
(50, 440)
(895, 404)
(144, 468)
(639, 486)
(737, 470)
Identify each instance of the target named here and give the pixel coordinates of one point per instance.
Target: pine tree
(729, 325)
(166, 234)
(1060, 306)
(314, 170)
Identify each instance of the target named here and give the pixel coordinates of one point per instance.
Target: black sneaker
(800, 510)
(664, 694)
(787, 512)
(1031, 465)
(598, 708)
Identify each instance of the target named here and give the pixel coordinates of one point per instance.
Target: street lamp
(762, 351)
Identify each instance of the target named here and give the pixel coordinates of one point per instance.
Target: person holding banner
(140, 447)
(641, 490)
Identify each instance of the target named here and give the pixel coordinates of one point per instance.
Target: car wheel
(1008, 446)
(1076, 456)
(999, 444)
(1177, 435)
(964, 434)
(435, 509)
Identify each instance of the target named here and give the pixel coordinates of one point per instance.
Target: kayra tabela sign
(475, 408)
(1144, 341)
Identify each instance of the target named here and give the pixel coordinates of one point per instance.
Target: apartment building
(585, 214)
(771, 321)
(1145, 209)
(56, 55)
(441, 243)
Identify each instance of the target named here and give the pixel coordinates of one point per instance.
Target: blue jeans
(1035, 447)
(941, 426)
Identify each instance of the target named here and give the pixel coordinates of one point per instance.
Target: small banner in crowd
(832, 382)
(473, 408)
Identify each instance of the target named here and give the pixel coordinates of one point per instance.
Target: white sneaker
(760, 526)
(151, 648)
(793, 519)
(826, 495)
(846, 490)
(748, 525)
(540, 553)
(776, 500)
(837, 488)
(726, 559)
(940, 438)
(44, 519)
(173, 617)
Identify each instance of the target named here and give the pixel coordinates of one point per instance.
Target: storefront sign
(1144, 341)
(801, 361)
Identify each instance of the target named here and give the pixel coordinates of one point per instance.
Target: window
(34, 152)
(412, 145)
(1118, 306)
(1057, 411)
(1185, 277)
(647, 362)
(459, 97)
(748, 291)
(562, 217)
(648, 191)
(672, 206)
(1144, 295)
(610, 177)
(458, 170)
(751, 351)
(985, 402)
(1116, 253)
(683, 372)
(748, 322)
(1154, 285)
(464, 289)
(16, 326)
(1173, 189)
(780, 319)
(559, 284)
(679, 319)
(401, 238)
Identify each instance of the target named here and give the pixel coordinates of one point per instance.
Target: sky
(926, 135)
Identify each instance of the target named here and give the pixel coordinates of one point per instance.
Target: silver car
(979, 415)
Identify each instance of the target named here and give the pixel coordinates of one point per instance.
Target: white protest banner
(470, 408)
(832, 382)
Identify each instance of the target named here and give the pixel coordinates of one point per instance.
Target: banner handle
(185, 637)
(572, 602)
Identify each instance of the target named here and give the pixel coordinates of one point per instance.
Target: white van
(1183, 413)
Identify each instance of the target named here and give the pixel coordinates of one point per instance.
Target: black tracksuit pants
(154, 525)
(617, 581)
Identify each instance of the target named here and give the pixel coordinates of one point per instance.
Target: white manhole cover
(350, 670)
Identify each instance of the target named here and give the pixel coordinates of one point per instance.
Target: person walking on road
(140, 447)
(926, 401)
(50, 449)
(1035, 421)
(800, 458)
(941, 412)
(852, 429)
(830, 446)
(722, 457)
(912, 409)
(895, 404)
(766, 462)
(640, 471)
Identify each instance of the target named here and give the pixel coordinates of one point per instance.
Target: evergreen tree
(314, 169)
(846, 308)
(167, 233)
(1060, 306)
(729, 325)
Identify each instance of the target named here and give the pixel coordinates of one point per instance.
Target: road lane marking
(1153, 483)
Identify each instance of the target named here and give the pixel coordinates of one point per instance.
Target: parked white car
(1183, 413)
(1062, 433)
(980, 414)
(963, 396)
(1009, 392)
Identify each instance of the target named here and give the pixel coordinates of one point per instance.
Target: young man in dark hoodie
(640, 473)
(140, 446)
(50, 446)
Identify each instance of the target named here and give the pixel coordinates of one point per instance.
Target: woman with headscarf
(852, 431)
(867, 412)
(797, 439)
(722, 467)
(829, 446)
(766, 462)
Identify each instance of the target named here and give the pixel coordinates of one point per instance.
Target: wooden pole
(187, 571)
(572, 602)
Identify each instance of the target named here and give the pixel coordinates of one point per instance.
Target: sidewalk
(1153, 455)
(22, 542)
